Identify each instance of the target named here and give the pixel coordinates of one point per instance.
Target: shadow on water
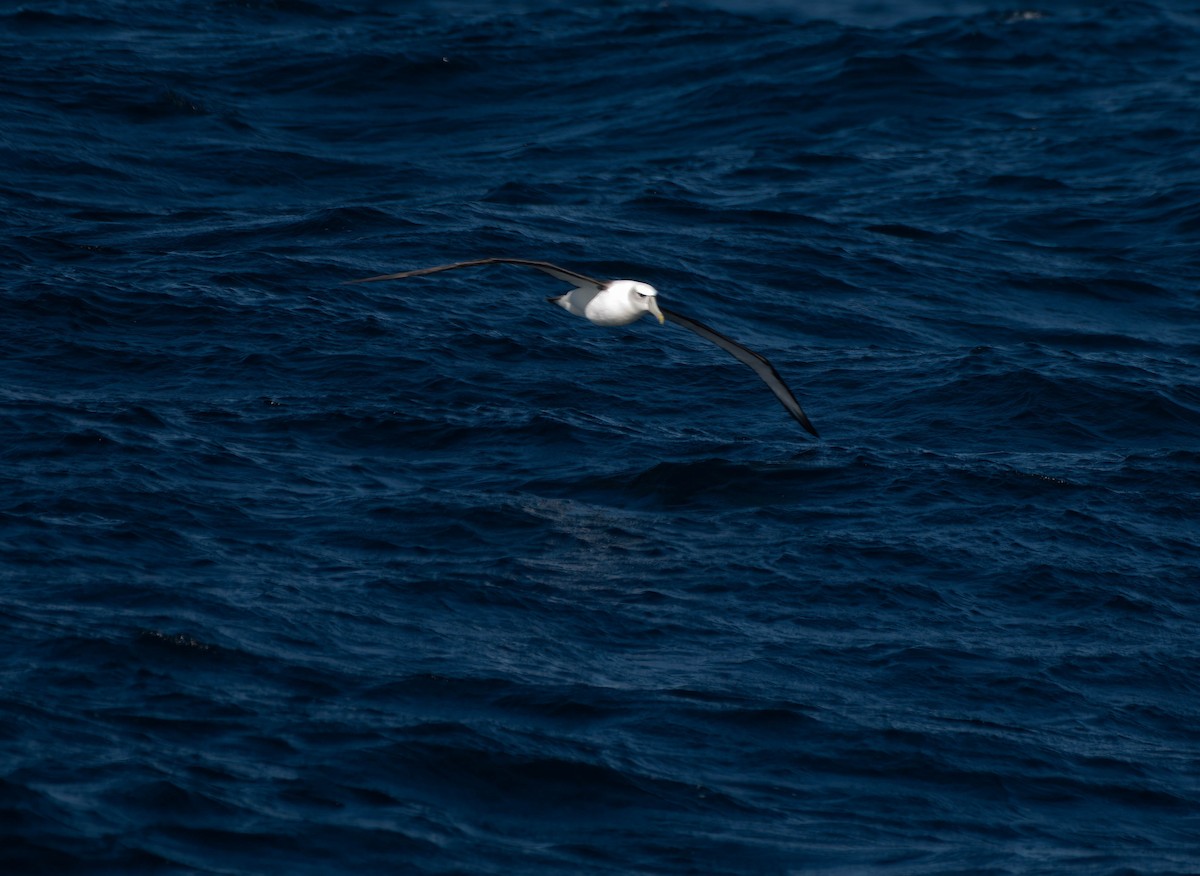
(712, 482)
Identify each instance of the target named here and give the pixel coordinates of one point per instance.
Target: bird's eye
(642, 295)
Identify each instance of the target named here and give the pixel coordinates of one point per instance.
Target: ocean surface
(431, 577)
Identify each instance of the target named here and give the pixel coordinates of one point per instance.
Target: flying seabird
(620, 302)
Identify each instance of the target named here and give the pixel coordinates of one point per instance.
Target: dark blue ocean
(431, 577)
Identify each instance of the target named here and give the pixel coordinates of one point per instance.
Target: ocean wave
(428, 574)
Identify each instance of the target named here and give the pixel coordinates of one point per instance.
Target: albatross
(621, 302)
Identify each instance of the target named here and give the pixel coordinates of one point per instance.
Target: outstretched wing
(761, 366)
(571, 277)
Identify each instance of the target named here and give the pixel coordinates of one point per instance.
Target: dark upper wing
(552, 270)
(761, 366)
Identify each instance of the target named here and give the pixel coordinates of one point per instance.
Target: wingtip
(806, 423)
(369, 279)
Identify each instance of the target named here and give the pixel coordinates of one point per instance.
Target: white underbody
(618, 303)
